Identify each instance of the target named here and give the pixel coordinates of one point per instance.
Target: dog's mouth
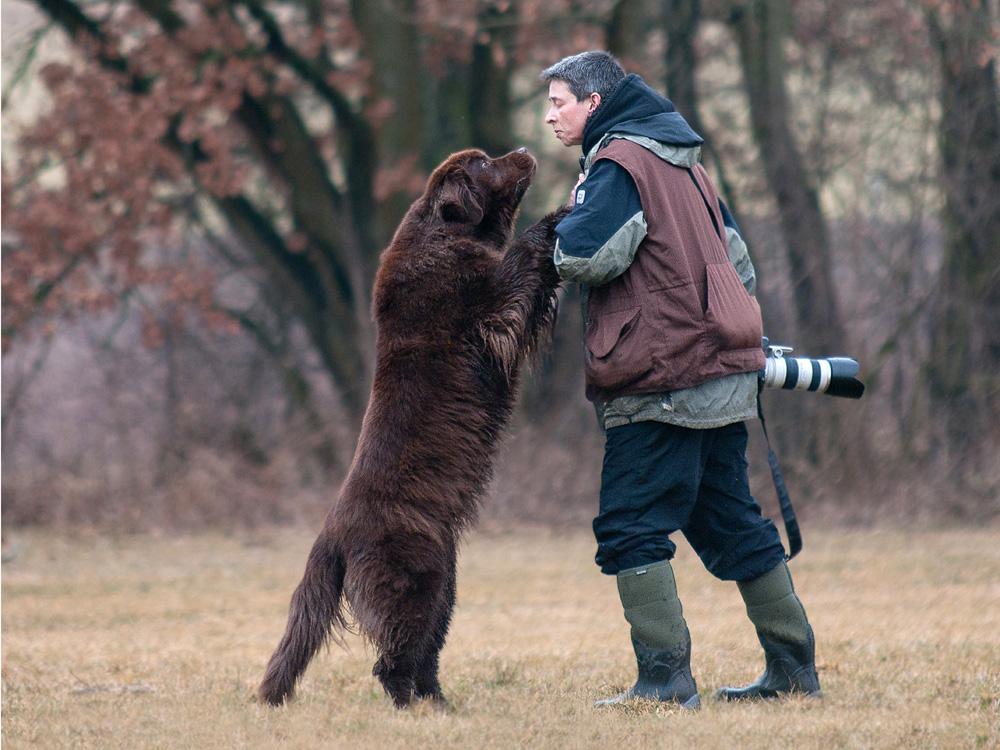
(523, 184)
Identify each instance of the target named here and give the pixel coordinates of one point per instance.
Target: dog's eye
(484, 165)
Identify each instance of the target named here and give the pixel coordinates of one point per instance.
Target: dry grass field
(158, 642)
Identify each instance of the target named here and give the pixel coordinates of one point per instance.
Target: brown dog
(457, 311)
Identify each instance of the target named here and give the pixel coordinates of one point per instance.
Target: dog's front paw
(558, 215)
(547, 225)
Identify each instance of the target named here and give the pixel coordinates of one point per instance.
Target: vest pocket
(733, 313)
(615, 355)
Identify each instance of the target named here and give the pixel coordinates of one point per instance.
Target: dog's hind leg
(425, 681)
(406, 626)
(395, 671)
(408, 639)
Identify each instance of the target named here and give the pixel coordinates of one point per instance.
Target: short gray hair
(587, 73)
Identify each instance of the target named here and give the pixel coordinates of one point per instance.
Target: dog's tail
(314, 612)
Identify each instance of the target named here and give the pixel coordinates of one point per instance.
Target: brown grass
(141, 642)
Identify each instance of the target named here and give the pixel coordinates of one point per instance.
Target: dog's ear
(458, 200)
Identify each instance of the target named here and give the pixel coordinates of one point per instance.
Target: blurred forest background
(195, 196)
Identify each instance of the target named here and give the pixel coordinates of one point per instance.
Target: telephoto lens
(833, 376)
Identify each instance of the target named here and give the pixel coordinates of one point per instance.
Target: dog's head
(472, 189)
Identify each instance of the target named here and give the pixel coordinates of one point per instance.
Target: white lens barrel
(797, 373)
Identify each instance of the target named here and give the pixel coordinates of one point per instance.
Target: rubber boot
(785, 634)
(660, 638)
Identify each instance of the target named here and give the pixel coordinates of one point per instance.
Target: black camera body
(833, 376)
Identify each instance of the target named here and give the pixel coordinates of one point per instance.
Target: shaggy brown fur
(457, 311)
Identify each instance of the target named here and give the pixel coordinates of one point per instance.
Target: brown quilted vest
(679, 315)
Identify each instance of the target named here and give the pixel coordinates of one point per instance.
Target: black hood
(634, 108)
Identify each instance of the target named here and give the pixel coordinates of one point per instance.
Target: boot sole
(729, 698)
(692, 704)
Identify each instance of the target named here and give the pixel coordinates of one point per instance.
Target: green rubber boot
(660, 638)
(785, 634)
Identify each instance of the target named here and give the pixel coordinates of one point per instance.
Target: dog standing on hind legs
(458, 307)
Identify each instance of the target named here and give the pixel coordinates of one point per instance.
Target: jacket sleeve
(739, 256)
(598, 240)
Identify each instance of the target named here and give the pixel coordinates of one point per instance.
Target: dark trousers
(659, 478)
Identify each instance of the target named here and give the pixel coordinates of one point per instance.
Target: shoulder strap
(787, 512)
(719, 229)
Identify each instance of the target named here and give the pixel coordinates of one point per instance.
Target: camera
(833, 376)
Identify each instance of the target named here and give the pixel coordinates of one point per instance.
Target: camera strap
(787, 512)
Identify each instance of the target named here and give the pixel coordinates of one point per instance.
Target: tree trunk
(681, 19)
(390, 42)
(761, 28)
(626, 30)
(964, 370)
(489, 103)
